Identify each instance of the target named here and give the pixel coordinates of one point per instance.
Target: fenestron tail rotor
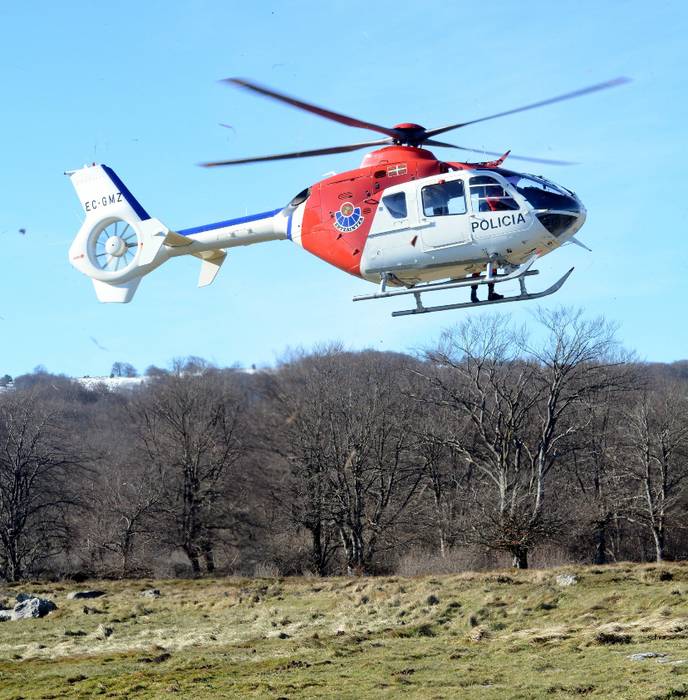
(402, 134)
(113, 247)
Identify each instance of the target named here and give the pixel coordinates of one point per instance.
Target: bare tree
(519, 399)
(37, 467)
(655, 457)
(347, 438)
(190, 431)
(297, 434)
(592, 478)
(124, 497)
(447, 477)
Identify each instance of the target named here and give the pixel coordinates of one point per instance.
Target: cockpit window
(396, 204)
(541, 193)
(487, 194)
(444, 199)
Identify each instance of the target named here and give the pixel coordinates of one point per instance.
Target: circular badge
(348, 218)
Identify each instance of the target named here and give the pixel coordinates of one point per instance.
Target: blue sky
(134, 85)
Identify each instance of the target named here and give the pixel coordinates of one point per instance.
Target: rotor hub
(409, 134)
(115, 246)
(395, 154)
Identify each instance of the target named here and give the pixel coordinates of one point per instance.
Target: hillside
(508, 634)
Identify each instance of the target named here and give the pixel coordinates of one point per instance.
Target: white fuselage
(433, 228)
(422, 243)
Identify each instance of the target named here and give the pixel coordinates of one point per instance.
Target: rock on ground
(33, 607)
(566, 580)
(646, 655)
(103, 632)
(151, 593)
(79, 595)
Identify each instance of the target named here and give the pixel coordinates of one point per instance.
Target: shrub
(612, 638)
(266, 570)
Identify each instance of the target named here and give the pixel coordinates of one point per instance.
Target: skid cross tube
(521, 271)
(523, 296)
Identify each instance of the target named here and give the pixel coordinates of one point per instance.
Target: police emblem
(348, 218)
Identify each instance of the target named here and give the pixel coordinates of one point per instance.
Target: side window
(396, 204)
(488, 195)
(444, 199)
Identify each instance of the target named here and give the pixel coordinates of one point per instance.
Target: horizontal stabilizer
(176, 240)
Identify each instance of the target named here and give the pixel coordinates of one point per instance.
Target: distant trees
(123, 369)
(153, 371)
(493, 446)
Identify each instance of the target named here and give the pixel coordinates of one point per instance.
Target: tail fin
(119, 241)
(102, 193)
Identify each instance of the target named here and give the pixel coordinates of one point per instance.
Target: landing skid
(523, 296)
(520, 273)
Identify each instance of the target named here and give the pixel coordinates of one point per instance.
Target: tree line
(495, 445)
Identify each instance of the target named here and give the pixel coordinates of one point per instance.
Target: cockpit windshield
(487, 194)
(541, 193)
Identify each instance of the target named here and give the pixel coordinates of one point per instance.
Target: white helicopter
(405, 220)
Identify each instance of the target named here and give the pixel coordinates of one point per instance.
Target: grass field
(492, 635)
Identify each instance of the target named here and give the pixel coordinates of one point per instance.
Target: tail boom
(119, 242)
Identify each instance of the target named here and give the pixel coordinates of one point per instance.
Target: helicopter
(404, 220)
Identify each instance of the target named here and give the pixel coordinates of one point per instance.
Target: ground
(489, 635)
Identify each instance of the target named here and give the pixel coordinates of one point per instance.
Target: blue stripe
(289, 227)
(230, 222)
(131, 200)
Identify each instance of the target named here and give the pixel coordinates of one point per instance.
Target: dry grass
(489, 635)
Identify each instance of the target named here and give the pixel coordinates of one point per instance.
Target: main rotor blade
(568, 96)
(328, 114)
(530, 159)
(298, 154)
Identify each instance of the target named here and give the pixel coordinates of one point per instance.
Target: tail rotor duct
(113, 247)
